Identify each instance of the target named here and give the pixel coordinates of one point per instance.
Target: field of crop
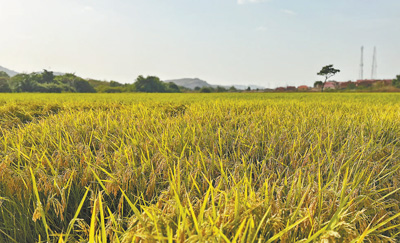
(200, 167)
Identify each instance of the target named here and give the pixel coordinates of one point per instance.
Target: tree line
(47, 82)
(44, 82)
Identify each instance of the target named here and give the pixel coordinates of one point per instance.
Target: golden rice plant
(199, 167)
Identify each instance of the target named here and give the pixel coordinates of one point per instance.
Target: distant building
(365, 83)
(348, 84)
(331, 85)
(268, 90)
(373, 82)
(387, 81)
(291, 88)
(303, 88)
(383, 82)
(280, 89)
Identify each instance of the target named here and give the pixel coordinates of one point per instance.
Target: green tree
(206, 90)
(232, 89)
(130, 88)
(220, 89)
(173, 88)
(67, 79)
(50, 88)
(75, 83)
(4, 79)
(351, 86)
(4, 87)
(4, 75)
(23, 83)
(396, 82)
(318, 84)
(150, 84)
(109, 89)
(115, 84)
(47, 77)
(83, 86)
(328, 71)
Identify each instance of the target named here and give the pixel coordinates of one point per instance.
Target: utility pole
(374, 65)
(362, 64)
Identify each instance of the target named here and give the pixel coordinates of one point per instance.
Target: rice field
(200, 167)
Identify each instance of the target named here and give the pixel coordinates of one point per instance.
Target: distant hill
(192, 83)
(13, 73)
(8, 71)
(189, 83)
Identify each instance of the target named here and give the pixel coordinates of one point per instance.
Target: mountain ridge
(12, 73)
(8, 71)
(192, 83)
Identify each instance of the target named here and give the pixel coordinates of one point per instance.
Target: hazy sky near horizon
(270, 43)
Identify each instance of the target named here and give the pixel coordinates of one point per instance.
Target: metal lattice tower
(362, 64)
(374, 65)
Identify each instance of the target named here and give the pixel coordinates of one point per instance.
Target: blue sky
(270, 43)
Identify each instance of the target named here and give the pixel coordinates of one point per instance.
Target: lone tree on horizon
(328, 71)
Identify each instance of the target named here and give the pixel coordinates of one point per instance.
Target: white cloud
(289, 12)
(250, 1)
